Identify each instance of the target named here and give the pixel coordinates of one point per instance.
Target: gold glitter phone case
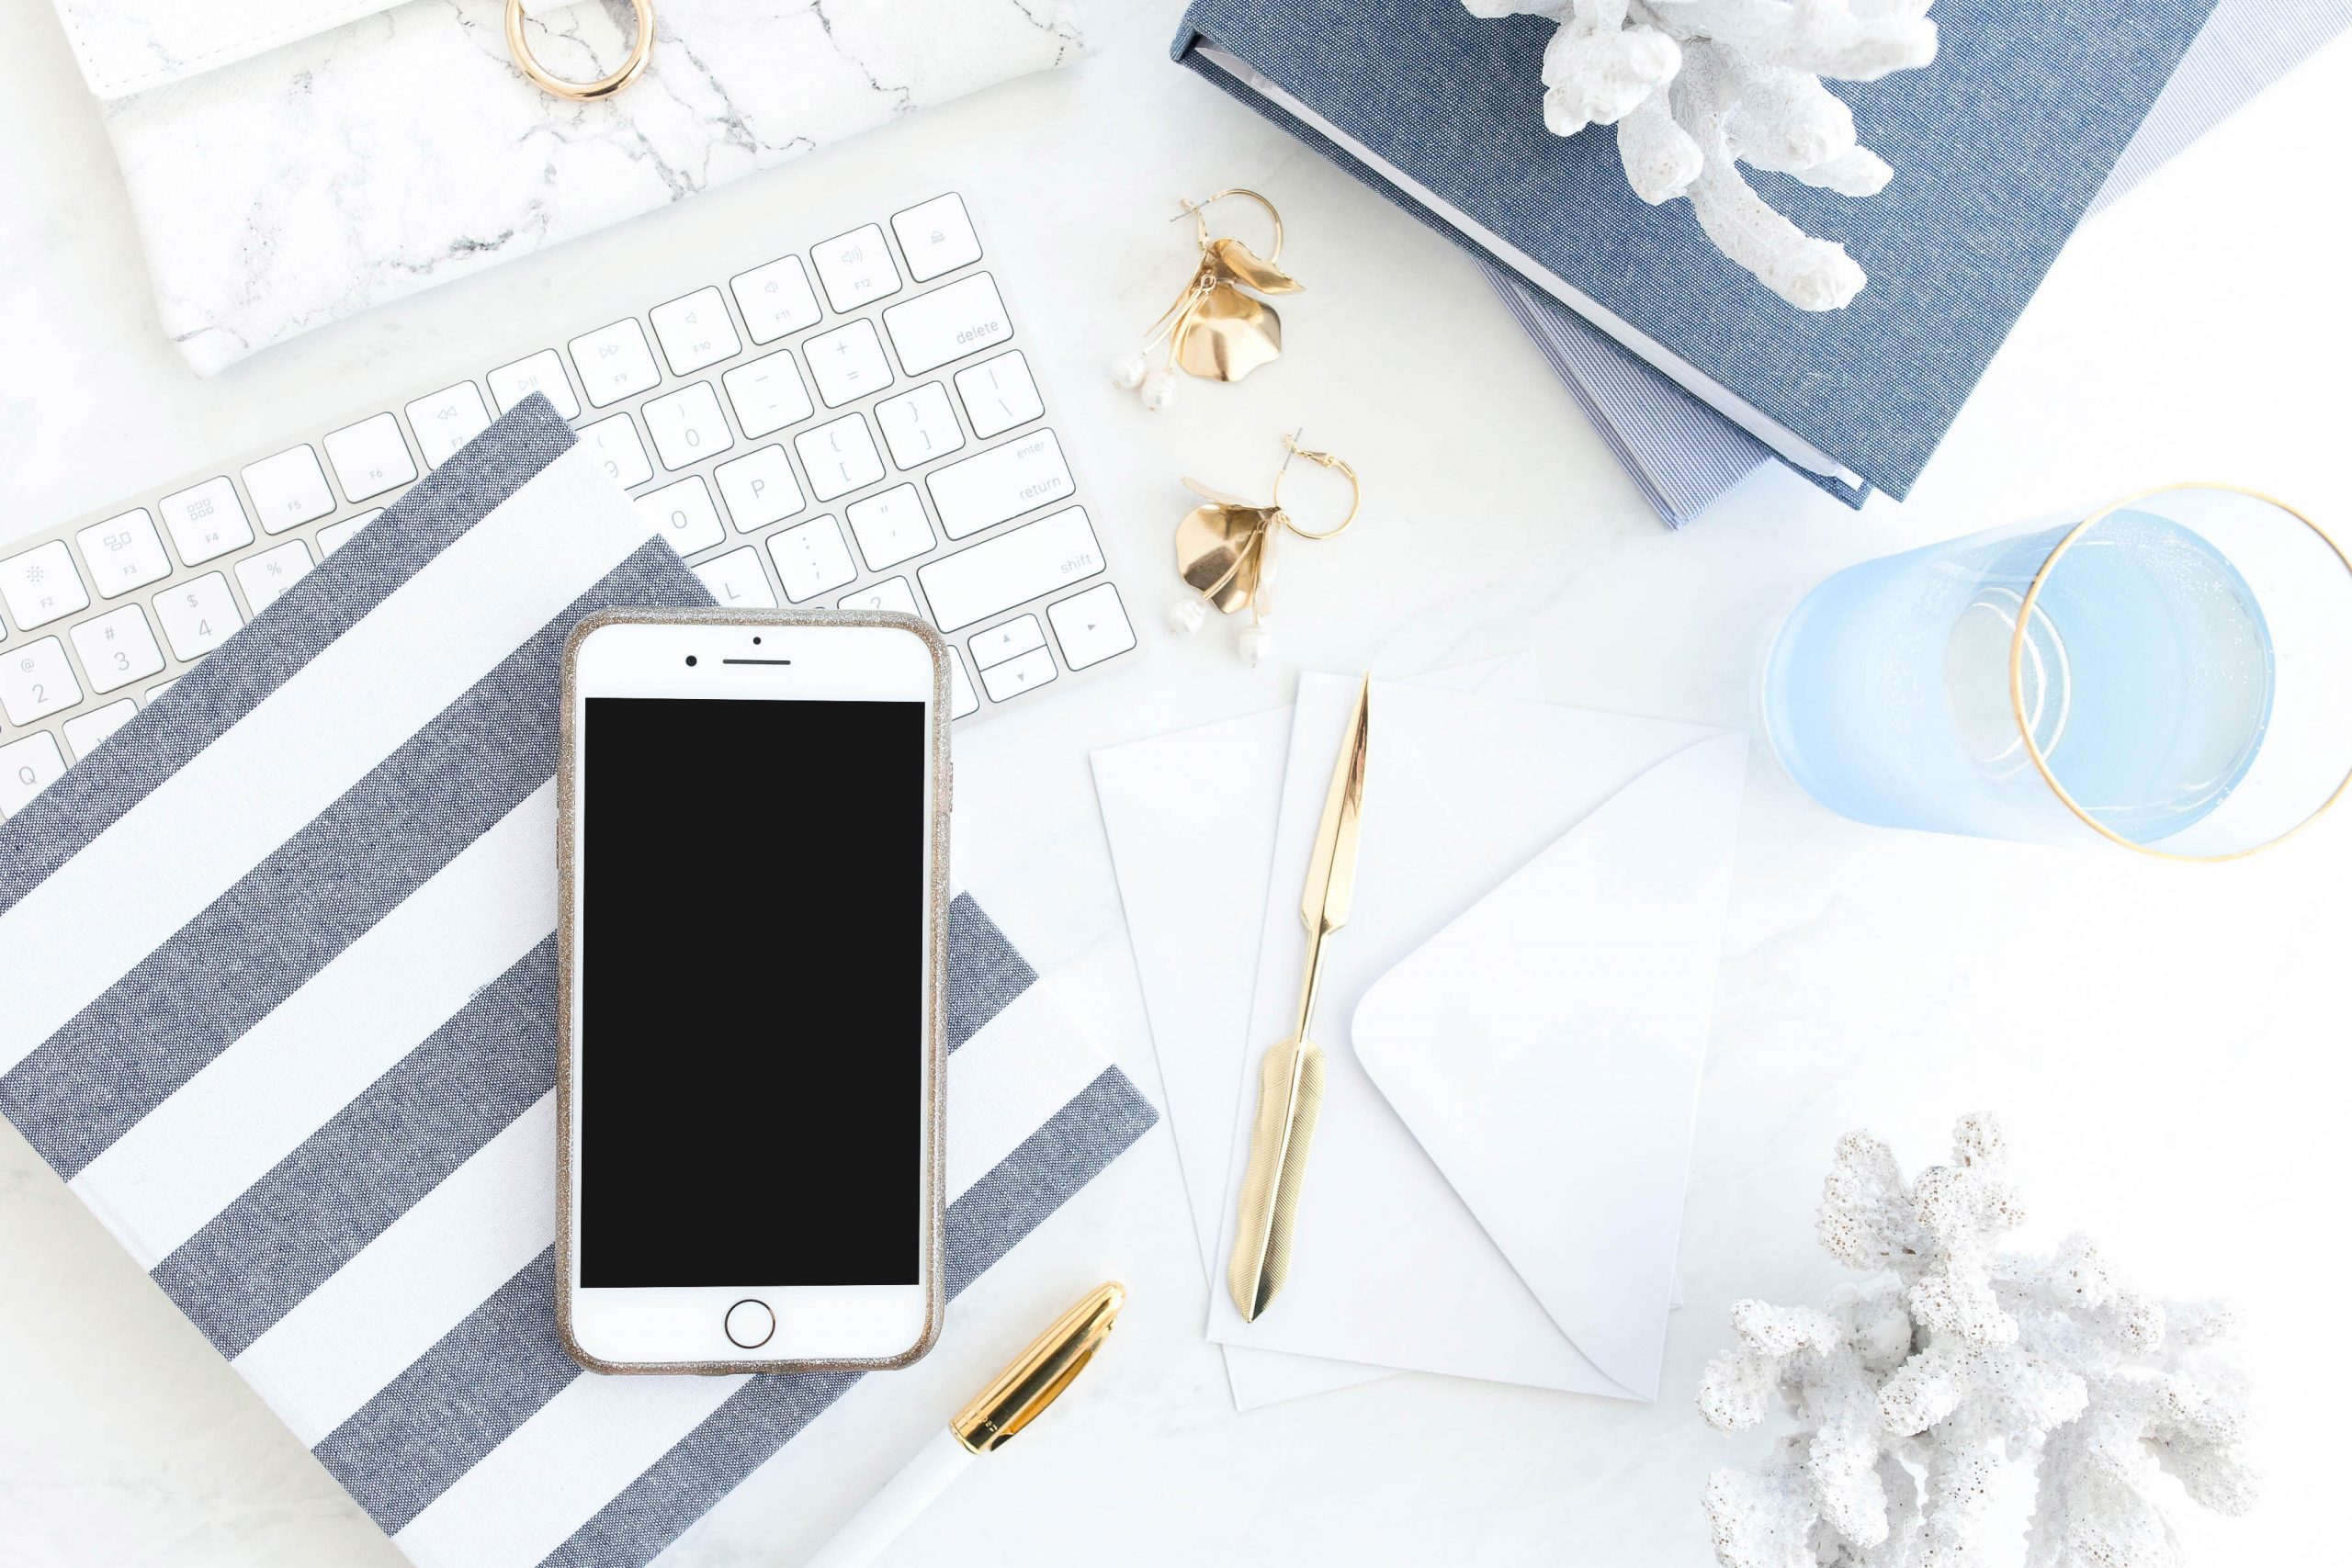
(934, 1012)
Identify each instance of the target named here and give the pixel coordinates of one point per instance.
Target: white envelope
(1574, 1058)
(1191, 819)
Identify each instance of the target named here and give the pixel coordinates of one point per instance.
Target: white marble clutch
(292, 161)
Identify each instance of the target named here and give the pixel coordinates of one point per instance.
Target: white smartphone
(751, 930)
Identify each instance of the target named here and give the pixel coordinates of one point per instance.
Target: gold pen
(1289, 1079)
(1034, 1380)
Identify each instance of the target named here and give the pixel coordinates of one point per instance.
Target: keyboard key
(936, 237)
(856, 269)
(687, 426)
(207, 520)
(919, 426)
(893, 595)
(961, 698)
(1003, 482)
(891, 527)
(1092, 626)
(1014, 676)
(1015, 638)
(999, 394)
(768, 394)
(811, 559)
(696, 331)
(36, 680)
(41, 585)
(838, 457)
(948, 323)
(775, 300)
(118, 648)
(759, 490)
(85, 732)
(123, 553)
(27, 767)
(446, 420)
(266, 576)
(334, 536)
(542, 372)
(613, 363)
(289, 489)
(1013, 567)
(686, 514)
(848, 363)
(620, 449)
(197, 617)
(736, 581)
(369, 458)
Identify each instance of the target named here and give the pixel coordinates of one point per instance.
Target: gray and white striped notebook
(278, 1000)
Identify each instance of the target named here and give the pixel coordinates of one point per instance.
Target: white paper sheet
(1195, 907)
(1393, 1266)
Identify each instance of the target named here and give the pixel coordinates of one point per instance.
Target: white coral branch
(1698, 87)
(1955, 1360)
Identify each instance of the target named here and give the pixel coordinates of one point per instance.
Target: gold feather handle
(1290, 1098)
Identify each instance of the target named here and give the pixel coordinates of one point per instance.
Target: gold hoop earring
(1225, 550)
(1214, 331)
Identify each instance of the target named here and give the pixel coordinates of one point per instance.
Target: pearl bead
(1256, 643)
(1128, 371)
(1185, 615)
(1160, 389)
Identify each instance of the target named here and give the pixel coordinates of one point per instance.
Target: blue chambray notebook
(278, 974)
(1998, 148)
(1685, 457)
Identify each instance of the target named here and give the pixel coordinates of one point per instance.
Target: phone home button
(750, 1324)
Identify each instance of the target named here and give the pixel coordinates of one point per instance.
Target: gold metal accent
(2017, 675)
(1037, 1376)
(1214, 330)
(1321, 459)
(1289, 1079)
(641, 51)
(1225, 549)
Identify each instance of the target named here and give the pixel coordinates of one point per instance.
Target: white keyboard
(854, 424)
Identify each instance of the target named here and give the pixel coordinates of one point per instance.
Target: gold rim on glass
(2016, 673)
(641, 51)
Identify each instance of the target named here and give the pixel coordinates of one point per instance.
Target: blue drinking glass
(2172, 672)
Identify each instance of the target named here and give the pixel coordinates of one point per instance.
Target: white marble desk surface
(2166, 1043)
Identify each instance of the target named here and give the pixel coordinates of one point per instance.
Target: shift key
(1003, 482)
(1013, 567)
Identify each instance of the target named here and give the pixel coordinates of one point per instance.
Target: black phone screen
(751, 958)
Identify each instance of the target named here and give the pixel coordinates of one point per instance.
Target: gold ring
(2017, 675)
(1324, 459)
(640, 53)
(1199, 210)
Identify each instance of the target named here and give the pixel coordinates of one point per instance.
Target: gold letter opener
(1290, 1080)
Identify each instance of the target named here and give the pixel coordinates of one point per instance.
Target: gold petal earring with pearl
(1215, 331)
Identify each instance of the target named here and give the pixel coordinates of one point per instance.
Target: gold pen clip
(1037, 1376)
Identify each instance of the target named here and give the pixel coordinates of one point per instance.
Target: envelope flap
(1544, 1048)
(128, 46)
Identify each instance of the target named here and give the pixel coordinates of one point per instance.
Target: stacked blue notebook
(1998, 149)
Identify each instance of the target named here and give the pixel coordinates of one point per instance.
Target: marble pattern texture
(353, 165)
